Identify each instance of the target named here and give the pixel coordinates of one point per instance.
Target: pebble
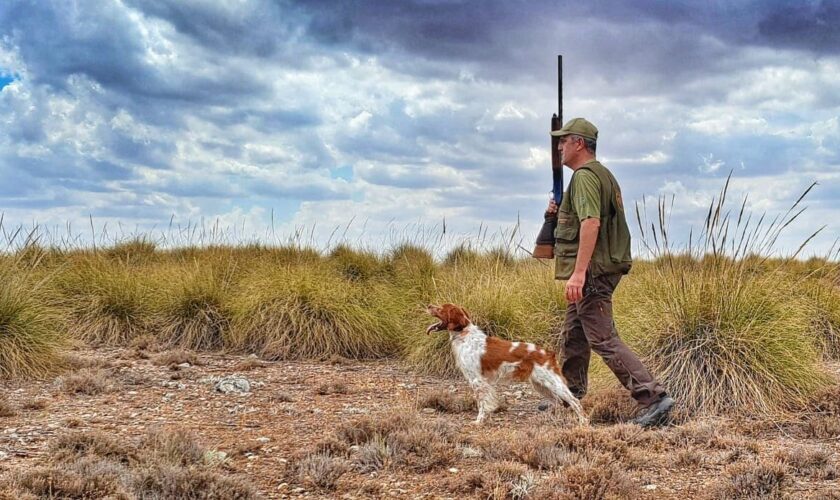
(453, 470)
(263, 439)
(650, 487)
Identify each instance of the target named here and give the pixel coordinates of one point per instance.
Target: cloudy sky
(383, 118)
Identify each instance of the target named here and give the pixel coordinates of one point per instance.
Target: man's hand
(552, 207)
(574, 287)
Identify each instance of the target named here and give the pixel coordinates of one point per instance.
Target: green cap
(578, 126)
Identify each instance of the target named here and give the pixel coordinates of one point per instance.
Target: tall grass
(107, 302)
(299, 311)
(194, 310)
(31, 331)
(724, 332)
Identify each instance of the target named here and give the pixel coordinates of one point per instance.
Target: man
(592, 252)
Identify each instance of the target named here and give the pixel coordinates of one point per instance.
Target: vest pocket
(565, 245)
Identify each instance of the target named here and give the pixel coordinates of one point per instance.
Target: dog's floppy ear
(457, 318)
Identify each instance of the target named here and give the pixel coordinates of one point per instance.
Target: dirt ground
(293, 405)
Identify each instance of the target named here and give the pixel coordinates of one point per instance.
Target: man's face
(568, 147)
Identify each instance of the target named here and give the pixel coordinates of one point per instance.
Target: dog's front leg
(485, 396)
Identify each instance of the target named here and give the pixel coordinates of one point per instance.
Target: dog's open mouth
(435, 327)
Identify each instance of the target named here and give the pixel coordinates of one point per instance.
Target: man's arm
(588, 238)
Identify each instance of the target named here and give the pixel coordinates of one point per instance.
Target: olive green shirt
(587, 200)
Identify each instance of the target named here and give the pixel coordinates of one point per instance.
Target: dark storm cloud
(100, 41)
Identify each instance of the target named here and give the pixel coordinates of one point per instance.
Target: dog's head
(452, 318)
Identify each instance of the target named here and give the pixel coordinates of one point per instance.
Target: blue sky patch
(5, 80)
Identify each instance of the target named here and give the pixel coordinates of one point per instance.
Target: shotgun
(544, 248)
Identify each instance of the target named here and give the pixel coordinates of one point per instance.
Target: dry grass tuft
(86, 381)
(83, 479)
(611, 406)
(373, 455)
(194, 305)
(813, 463)
(416, 444)
(161, 481)
(448, 402)
(98, 465)
(31, 328)
(756, 479)
(108, 303)
(35, 404)
(823, 427)
(712, 321)
(587, 481)
(332, 388)
(173, 447)
(827, 401)
(248, 364)
(321, 469)
(176, 357)
(6, 408)
(308, 311)
(72, 446)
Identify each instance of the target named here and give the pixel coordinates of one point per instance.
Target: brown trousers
(590, 327)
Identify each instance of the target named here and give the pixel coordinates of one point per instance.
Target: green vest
(612, 249)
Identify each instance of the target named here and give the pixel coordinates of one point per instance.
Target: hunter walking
(592, 252)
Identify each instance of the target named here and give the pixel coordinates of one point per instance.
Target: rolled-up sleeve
(587, 195)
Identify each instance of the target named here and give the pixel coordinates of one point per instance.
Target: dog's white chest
(468, 348)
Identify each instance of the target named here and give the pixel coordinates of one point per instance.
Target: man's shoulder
(586, 176)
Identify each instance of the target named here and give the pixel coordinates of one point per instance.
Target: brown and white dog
(487, 361)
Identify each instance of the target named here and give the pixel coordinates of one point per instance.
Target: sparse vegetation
(98, 465)
(86, 381)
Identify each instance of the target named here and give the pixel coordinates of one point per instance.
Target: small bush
(173, 447)
(86, 381)
(176, 357)
(610, 406)
(162, 481)
(373, 455)
(751, 480)
(823, 427)
(35, 404)
(587, 481)
(813, 463)
(73, 446)
(83, 479)
(322, 470)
